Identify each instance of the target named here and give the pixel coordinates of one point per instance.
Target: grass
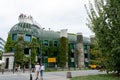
(97, 77)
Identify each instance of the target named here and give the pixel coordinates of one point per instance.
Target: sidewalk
(60, 75)
(51, 76)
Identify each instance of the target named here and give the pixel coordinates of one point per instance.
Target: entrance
(7, 63)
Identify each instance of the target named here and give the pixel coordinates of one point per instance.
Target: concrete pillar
(80, 51)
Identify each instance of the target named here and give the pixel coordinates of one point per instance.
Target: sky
(53, 14)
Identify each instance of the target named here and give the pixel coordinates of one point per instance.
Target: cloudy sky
(53, 14)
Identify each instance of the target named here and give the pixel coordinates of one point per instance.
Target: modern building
(2, 43)
(29, 29)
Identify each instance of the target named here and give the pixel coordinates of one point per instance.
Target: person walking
(19, 68)
(42, 68)
(37, 69)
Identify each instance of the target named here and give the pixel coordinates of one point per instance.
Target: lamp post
(41, 43)
(30, 63)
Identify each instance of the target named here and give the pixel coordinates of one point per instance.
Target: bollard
(30, 76)
(69, 75)
(2, 71)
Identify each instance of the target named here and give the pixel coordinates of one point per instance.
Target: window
(27, 38)
(72, 45)
(26, 51)
(14, 37)
(72, 54)
(85, 46)
(55, 43)
(86, 55)
(85, 51)
(45, 42)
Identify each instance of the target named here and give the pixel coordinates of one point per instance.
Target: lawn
(96, 77)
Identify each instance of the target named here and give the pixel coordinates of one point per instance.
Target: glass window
(28, 38)
(55, 43)
(72, 54)
(26, 51)
(14, 37)
(45, 42)
(72, 45)
(85, 51)
(86, 55)
(85, 46)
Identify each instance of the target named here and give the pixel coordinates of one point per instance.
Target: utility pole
(41, 44)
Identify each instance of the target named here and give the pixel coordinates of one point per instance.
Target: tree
(9, 44)
(51, 49)
(19, 50)
(63, 51)
(34, 46)
(104, 21)
(95, 55)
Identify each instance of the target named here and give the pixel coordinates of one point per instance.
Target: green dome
(25, 28)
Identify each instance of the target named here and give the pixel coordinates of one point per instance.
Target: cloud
(54, 14)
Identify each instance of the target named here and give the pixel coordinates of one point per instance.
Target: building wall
(2, 43)
(47, 36)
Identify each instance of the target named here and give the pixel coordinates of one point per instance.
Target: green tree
(104, 21)
(63, 51)
(9, 44)
(95, 55)
(51, 49)
(19, 50)
(69, 56)
(34, 46)
(1, 54)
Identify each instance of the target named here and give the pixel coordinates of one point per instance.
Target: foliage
(104, 21)
(34, 46)
(19, 50)
(51, 49)
(69, 55)
(95, 54)
(18, 47)
(9, 44)
(0, 55)
(63, 51)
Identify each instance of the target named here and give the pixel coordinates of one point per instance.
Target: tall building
(2, 43)
(29, 29)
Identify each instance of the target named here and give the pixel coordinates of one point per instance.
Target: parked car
(94, 66)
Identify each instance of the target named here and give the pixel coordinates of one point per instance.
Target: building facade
(2, 43)
(29, 29)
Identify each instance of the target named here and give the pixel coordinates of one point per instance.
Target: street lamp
(30, 63)
(41, 43)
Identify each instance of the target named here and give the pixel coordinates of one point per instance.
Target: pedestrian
(42, 68)
(37, 69)
(19, 68)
